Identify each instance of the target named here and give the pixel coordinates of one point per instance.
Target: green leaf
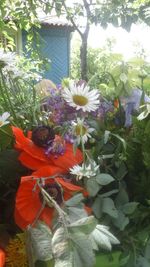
(130, 207)
(121, 140)
(97, 207)
(40, 238)
(122, 198)
(124, 260)
(75, 200)
(83, 251)
(101, 237)
(142, 262)
(85, 225)
(61, 249)
(76, 213)
(104, 178)
(109, 207)
(121, 221)
(122, 171)
(147, 250)
(108, 194)
(72, 249)
(92, 186)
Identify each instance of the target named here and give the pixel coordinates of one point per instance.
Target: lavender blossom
(57, 147)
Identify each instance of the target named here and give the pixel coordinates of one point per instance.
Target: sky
(125, 41)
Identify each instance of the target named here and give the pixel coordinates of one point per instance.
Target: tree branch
(72, 20)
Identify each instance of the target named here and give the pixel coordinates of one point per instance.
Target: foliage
(25, 16)
(110, 73)
(17, 86)
(115, 170)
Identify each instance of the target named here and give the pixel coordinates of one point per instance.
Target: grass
(104, 260)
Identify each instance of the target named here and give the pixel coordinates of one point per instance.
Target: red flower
(29, 200)
(2, 258)
(34, 157)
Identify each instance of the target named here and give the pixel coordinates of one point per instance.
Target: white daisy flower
(81, 97)
(81, 131)
(101, 237)
(87, 171)
(3, 119)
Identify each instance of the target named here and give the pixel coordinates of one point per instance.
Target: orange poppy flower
(34, 157)
(29, 201)
(2, 258)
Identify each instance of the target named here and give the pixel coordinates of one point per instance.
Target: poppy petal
(68, 159)
(47, 171)
(2, 258)
(31, 162)
(19, 137)
(69, 187)
(34, 157)
(28, 204)
(28, 146)
(21, 222)
(27, 201)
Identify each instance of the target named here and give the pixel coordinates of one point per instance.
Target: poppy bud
(55, 191)
(43, 136)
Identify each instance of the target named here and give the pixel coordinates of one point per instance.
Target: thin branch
(72, 20)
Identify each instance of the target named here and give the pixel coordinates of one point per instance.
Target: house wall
(55, 45)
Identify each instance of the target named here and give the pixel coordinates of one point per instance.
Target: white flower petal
(5, 116)
(92, 97)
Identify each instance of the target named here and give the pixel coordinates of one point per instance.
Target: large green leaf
(97, 207)
(109, 207)
(104, 178)
(82, 251)
(76, 213)
(85, 225)
(75, 200)
(122, 198)
(92, 186)
(72, 249)
(121, 221)
(130, 207)
(101, 237)
(40, 238)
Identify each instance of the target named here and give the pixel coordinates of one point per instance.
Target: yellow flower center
(80, 100)
(1, 123)
(80, 130)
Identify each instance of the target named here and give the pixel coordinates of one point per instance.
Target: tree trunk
(83, 57)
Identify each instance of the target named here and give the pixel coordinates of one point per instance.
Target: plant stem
(8, 97)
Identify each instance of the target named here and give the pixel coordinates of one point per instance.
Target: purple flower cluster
(131, 104)
(104, 107)
(57, 147)
(59, 111)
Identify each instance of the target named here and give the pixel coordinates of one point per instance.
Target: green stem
(4, 98)
(8, 98)
(3, 131)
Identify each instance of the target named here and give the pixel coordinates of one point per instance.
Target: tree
(118, 13)
(81, 13)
